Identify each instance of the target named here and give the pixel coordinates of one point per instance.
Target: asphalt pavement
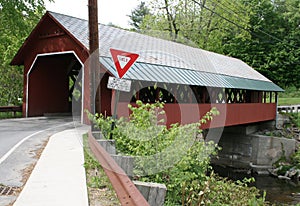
(19, 141)
(12, 131)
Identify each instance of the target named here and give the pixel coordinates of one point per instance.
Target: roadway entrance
(51, 82)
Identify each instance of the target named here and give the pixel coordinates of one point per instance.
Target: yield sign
(123, 60)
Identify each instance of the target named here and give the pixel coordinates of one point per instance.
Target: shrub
(175, 156)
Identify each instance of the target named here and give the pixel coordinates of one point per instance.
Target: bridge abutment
(243, 148)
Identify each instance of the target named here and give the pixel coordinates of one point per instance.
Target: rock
(273, 172)
(283, 177)
(278, 133)
(297, 194)
(292, 172)
(273, 153)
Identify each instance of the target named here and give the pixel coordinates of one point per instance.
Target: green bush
(176, 156)
(295, 159)
(221, 191)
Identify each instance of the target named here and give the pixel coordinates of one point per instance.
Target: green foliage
(17, 19)
(90, 164)
(295, 119)
(291, 96)
(295, 159)
(101, 122)
(186, 179)
(221, 191)
(273, 48)
(138, 14)
(186, 158)
(6, 115)
(288, 101)
(96, 178)
(93, 167)
(196, 21)
(89, 161)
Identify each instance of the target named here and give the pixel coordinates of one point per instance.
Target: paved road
(12, 131)
(19, 139)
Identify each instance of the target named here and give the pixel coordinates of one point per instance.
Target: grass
(291, 96)
(7, 115)
(100, 190)
(288, 101)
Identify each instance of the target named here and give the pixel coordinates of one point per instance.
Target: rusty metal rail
(125, 189)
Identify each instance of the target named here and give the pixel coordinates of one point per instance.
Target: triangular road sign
(123, 60)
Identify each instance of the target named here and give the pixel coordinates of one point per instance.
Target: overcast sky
(110, 11)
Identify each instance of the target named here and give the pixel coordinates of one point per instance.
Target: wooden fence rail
(13, 109)
(289, 109)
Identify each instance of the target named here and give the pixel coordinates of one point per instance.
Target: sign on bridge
(119, 84)
(123, 60)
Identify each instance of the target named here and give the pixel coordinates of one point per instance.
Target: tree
(17, 18)
(138, 14)
(203, 22)
(274, 46)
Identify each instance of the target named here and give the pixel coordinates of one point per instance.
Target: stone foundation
(242, 148)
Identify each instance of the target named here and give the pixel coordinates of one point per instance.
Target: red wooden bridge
(190, 81)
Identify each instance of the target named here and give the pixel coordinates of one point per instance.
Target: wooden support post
(174, 88)
(190, 94)
(157, 94)
(94, 70)
(137, 91)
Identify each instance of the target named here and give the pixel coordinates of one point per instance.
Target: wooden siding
(230, 114)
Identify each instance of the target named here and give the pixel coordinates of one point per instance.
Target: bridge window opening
(269, 97)
(175, 93)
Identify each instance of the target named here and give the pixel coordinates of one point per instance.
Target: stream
(277, 191)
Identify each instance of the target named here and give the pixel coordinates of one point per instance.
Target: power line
(241, 20)
(230, 21)
(241, 27)
(230, 10)
(236, 6)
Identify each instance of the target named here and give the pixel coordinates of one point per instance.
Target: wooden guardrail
(13, 109)
(125, 189)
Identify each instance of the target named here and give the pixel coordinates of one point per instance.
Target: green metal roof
(167, 74)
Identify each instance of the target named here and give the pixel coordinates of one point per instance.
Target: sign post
(123, 61)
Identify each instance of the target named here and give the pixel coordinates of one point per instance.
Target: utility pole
(94, 69)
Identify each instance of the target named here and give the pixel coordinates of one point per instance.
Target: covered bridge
(189, 80)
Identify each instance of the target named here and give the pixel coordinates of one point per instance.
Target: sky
(109, 11)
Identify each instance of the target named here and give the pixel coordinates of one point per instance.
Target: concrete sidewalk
(58, 178)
